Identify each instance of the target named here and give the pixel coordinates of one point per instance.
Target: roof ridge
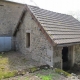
(12, 2)
(49, 10)
(42, 15)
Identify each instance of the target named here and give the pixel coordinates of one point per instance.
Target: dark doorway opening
(65, 58)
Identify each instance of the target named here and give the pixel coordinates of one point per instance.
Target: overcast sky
(62, 6)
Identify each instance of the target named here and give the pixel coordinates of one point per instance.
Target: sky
(61, 6)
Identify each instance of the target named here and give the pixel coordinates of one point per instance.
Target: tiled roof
(62, 28)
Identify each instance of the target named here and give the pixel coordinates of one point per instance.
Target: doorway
(65, 59)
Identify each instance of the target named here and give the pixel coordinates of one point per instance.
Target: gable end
(41, 28)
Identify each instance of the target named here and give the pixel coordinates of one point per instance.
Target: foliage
(62, 72)
(4, 71)
(33, 69)
(45, 77)
(7, 74)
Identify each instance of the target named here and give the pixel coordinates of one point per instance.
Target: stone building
(48, 37)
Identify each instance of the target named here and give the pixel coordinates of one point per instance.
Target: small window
(27, 40)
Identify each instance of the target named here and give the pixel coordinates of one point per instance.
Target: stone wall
(57, 57)
(73, 56)
(10, 14)
(77, 53)
(40, 49)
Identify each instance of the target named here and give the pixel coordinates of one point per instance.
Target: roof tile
(62, 28)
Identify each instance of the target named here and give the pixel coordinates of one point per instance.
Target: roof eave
(68, 44)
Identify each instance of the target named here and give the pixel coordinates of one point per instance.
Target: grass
(26, 78)
(47, 74)
(4, 69)
(59, 71)
(3, 64)
(45, 77)
(33, 69)
(8, 65)
(52, 74)
(7, 74)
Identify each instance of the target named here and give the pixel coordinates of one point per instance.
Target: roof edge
(13, 2)
(41, 28)
(68, 44)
